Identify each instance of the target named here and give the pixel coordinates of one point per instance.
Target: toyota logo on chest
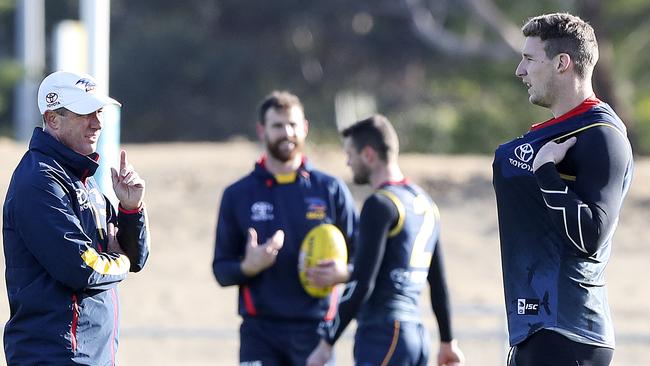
(524, 152)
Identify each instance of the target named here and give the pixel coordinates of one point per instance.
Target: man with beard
(398, 252)
(263, 219)
(559, 190)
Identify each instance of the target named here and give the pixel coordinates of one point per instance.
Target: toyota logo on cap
(524, 152)
(51, 97)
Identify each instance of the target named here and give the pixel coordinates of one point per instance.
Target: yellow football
(324, 241)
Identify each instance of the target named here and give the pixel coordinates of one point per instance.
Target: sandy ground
(174, 313)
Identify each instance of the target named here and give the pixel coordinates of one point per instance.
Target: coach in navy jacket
(63, 256)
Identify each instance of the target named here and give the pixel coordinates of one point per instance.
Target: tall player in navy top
(559, 190)
(398, 251)
(262, 221)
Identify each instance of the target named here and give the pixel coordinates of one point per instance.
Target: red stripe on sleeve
(248, 301)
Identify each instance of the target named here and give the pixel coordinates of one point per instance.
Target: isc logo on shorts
(527, 306)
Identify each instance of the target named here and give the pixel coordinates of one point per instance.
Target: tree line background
(441, 70)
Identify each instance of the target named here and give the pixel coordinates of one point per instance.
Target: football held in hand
(322, 243)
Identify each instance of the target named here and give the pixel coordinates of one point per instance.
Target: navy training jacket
(61, 282)
(259, 201)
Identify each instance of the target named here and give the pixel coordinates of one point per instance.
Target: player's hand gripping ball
(322, 242)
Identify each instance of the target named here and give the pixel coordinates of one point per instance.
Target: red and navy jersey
(263, 202)
(556, 224)
(397, 254)
(61, 282)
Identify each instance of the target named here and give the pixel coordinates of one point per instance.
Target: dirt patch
(174, 312)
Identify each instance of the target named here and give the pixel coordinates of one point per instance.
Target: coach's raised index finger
(123, 162)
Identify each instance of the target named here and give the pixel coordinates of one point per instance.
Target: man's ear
(563, 62)
(368, 155)
(49, 117)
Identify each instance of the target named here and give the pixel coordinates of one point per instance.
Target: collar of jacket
(83, 166)
(581, 108)
(260, 171)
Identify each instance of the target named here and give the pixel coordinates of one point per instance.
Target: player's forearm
(439, 293)
(585, 208)
(584, 225)
(133, 237)
(228, 272)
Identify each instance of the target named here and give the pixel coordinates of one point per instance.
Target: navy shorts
(397, 343)
(265, 342)
(549, 348)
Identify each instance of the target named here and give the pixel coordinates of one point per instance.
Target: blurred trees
(9, 70)
(442, 71)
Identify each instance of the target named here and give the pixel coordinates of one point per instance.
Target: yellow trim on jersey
(401, 211)
(587, 127)
(285, 178)
(573, 177)
(105, 265)
(568, 177)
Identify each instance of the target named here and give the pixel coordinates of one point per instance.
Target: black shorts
(549, 348)
(397, 343)
(271, 342)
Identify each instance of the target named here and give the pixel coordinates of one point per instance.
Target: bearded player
(263, 219)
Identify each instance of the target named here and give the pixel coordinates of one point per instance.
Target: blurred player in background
(559, 190)
(263, 219)
(397, 252)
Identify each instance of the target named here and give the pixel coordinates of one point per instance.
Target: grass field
(174, 313)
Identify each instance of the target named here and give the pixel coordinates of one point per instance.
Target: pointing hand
(127, 184)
